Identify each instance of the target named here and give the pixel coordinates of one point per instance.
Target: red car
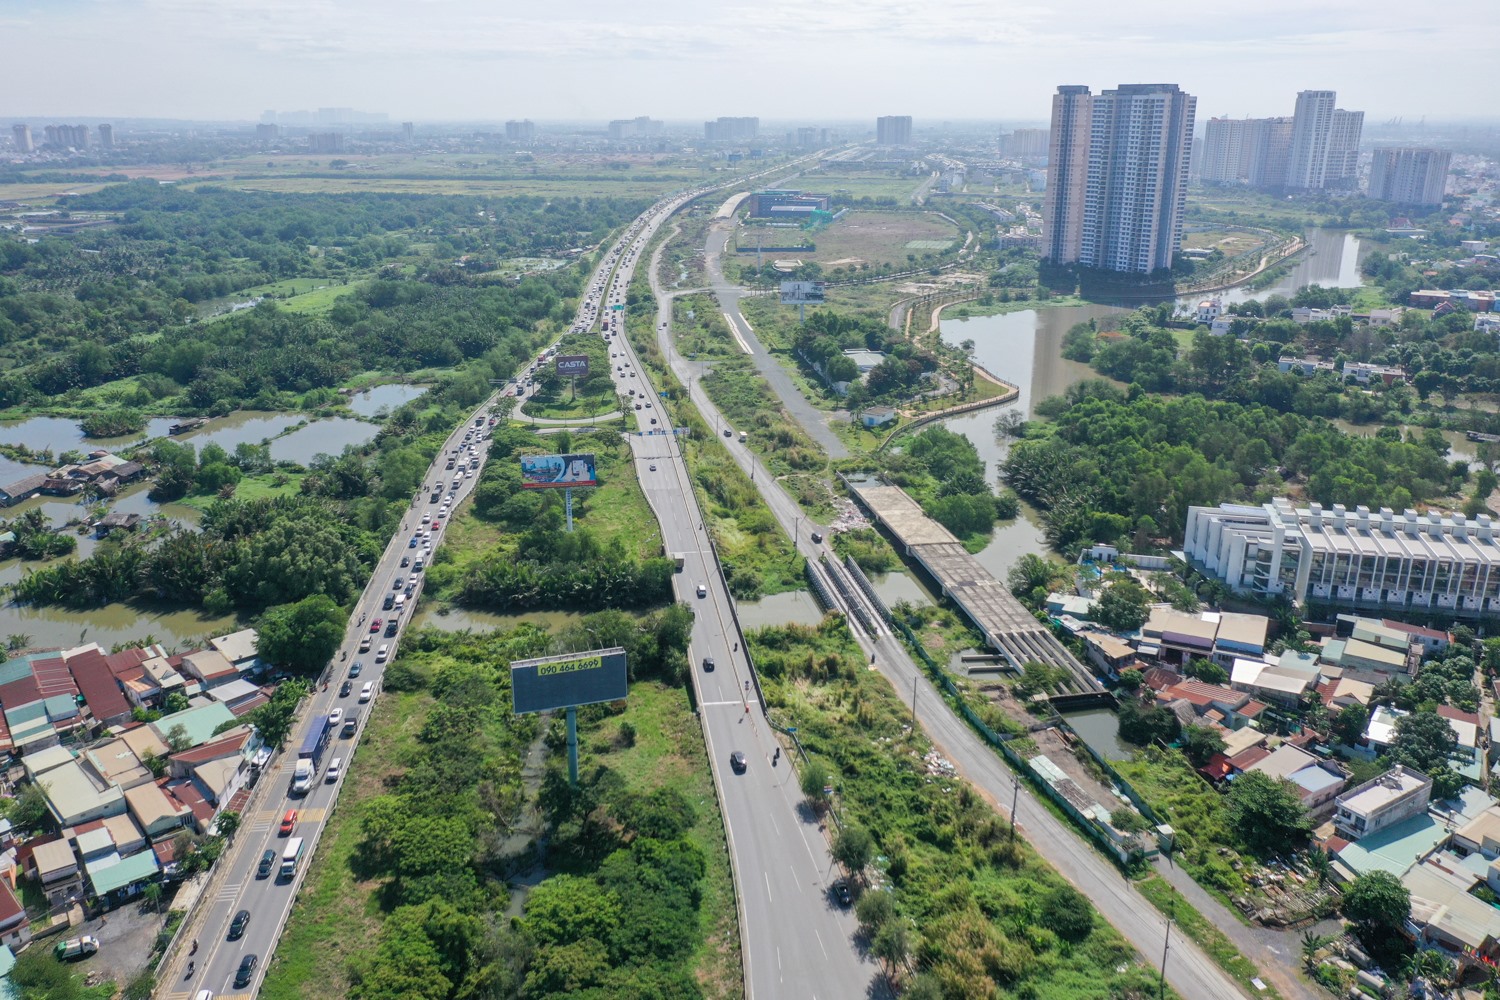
(377, 625)
(288, 822)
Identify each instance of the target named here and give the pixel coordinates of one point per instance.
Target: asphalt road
(1190, 971)
(269, 900)
(796, 940)
(812, 419)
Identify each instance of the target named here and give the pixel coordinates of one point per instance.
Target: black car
(389, 602)
(708, 664)
(405, 561)
(841, 892)
(390, 627)
(238, 924)
(267, 862)
(737, 761)
(245, 972)
(345, 688)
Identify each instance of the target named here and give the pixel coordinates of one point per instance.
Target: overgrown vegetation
(975, 912)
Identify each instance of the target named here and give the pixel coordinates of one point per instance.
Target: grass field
(254, 488)
(866, 184)
(1230, 242)
(871, 237)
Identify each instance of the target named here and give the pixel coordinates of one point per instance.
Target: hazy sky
(804, 59)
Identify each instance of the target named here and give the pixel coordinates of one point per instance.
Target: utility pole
(1165, 942)
(914, 681)
(1015, 800)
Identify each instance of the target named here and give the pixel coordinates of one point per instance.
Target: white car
(335, 717)
(367, 692)
(335, 768)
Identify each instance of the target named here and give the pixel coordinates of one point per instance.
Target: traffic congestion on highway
(234, 932)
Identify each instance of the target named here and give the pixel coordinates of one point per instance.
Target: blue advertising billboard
(550, 682)
(555, 472)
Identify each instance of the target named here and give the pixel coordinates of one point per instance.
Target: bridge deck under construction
(1003, 621)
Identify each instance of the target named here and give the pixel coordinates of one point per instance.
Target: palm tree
(1033, 573)
(17, 640)
(1311, 945)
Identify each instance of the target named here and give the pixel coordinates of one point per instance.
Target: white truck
(290, 857)
(79, 947)
(302, 777)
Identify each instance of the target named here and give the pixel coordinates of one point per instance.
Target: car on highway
(737, 761)
(405, 561)
(354, 671)
(653, 420)
(366, 692)
(335, 768)
(238, 924)
(267, 862)
(427, 518)
(653, 466)
(351, 724)
(381, 654)
(702, 590)
(245, 972)
(364, 644)
(204, 995)
(335, 717)
(390, 628)
(398, 583)
(377, 625)
(288, 822)
(345, 688)
(412, 543)
(708, 664)
(842, 893)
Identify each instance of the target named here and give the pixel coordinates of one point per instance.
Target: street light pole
(914, 681)
(1015, 800)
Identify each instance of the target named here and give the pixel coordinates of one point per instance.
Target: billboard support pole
(568, 503)
(802, 313)
(572, 746)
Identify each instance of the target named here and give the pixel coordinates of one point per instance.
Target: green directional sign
(618, 308)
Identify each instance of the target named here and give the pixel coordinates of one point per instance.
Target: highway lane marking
(735, 330)
(711, 704)
(769, 897)
(820, 943)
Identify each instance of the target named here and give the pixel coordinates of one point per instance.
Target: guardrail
(864, 584)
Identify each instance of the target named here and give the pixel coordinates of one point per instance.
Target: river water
(1025, 348)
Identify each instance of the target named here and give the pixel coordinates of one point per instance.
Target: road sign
(569, 680)
(619, 308)
(801, 293)
(573, 365)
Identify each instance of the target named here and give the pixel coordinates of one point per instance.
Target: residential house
(1306, 366)
(22, 489)
(115, 884)
(239, 648)
(198, 724)
(1383, 801)
(97, 683)
(1269, 682)
(876, 416)
(1180, 636)
(156, 813)
(1239, 635)
(1109, 654)
(1480, 835)
(1364, 373)
(1380, 731)
(1317, 781)
(56, 868)
(1380, 318)
(115, 520)
(1447, 914)
(209, 667)
(1073, 605)
(76, 795)
(1341, 692)
(1213, 704)
(116, 764)
(15, 925)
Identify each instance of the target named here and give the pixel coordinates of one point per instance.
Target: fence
(1017, 763)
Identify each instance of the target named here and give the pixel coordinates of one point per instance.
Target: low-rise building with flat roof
(1381, 802)
(75, 796)
(155, 812)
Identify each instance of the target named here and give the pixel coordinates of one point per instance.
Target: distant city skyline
(578, 60)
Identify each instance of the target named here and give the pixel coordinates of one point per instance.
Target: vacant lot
(1230, 242)
(871, 237)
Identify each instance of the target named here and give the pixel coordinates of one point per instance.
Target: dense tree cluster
(619, 921)
(70, 320)
(944, 472)
(1108, 459)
